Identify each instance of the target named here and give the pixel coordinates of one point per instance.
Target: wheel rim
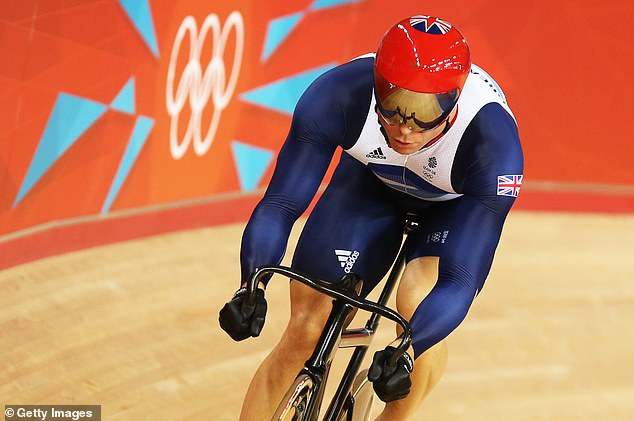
(295, 404)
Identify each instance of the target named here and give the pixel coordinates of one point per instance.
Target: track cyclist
(423, 130)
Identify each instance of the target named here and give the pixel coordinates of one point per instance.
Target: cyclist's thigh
(354, 228)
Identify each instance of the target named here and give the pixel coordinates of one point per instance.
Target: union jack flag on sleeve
(509, 185)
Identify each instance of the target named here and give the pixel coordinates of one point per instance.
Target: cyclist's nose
(404, 129)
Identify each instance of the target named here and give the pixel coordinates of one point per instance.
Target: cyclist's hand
(241, 321)
(391, 384)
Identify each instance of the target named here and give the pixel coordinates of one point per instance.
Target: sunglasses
(396, 117)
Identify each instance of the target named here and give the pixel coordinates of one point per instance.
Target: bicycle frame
(306, 393)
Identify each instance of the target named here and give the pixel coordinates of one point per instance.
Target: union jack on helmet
(420, 68)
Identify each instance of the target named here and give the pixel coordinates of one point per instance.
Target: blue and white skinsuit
(461, 186)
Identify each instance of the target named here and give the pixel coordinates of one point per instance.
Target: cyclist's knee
(418, 279)
(431, 363)
(305, 325)
(309, 312)
(302, 333)
(437, 352)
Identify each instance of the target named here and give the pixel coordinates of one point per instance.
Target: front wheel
(294, 406)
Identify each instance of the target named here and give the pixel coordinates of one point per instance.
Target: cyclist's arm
(298, 173)
(330, 113)
(466, 259)
(464, 265)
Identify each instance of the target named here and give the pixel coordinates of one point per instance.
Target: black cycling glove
(391, 384)
(241, 321)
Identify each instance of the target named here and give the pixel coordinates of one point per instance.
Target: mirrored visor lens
(424, 110)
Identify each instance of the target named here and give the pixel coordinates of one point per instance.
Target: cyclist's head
(419, 71)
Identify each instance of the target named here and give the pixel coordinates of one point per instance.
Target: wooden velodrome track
(133, 327)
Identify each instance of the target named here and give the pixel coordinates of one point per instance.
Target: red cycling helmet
(419, 71)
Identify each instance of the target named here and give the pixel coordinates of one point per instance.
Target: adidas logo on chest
(376, 154)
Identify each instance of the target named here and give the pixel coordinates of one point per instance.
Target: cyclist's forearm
(439, 314)
(264, 239)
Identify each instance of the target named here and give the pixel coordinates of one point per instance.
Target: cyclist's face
(405, 140)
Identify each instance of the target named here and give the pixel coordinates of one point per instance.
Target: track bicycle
(353, 398)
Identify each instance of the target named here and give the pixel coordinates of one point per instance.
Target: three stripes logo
(376, 154)
(347, 259)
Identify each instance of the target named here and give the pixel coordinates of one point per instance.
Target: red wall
(563, 67)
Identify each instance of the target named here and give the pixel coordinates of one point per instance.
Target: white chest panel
(426, 173)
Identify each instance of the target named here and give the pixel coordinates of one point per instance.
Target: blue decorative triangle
(140, 133)
(322, 4)
(140, 14)
(251, 163)
(282, 95)
(277, 31)
(124, 101)
(70, 118)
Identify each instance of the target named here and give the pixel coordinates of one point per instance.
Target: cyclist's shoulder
(345, 86)
(352, 75)
(335, 106)
(490, 147)
(489, 130)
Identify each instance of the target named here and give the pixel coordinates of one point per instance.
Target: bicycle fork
(298, 405)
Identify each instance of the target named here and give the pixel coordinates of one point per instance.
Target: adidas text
(376, 154)
(347, 259)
